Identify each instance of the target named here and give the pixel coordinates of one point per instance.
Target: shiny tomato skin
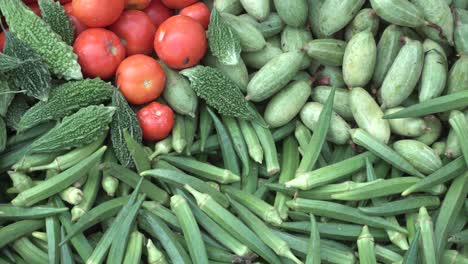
(156, 121)
(98, 13)
(198, 11)
(180, 42)
(178, 4)
(158, 12)
(140, 78)
(79, 27)
(136, 31)
(2, 41)
(99, 52)
(137, 4)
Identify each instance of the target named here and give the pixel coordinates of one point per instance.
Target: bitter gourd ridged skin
(55, 15)
(5, 96)
(124, 120)
(16, 110)
(218, 91)
(41, 38)
(79, 129)
(224, 43)
(65, 100)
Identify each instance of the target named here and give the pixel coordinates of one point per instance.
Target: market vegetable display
(234, 131)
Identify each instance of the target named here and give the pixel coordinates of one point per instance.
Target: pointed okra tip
(300, 182)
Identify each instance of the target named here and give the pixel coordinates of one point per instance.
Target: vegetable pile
(234, 131)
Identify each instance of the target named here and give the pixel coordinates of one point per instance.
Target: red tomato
(140, 78)
(156, 121)
(2, 41)
(180, 42)
(99, 52)
(98, 13)
(137, 4)
(35, 8)
(199, 11)
(178, 4)
(79, 27)
(158, 12)
(35, 1)
(136, 31)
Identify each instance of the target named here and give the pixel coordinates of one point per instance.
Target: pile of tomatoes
(120, 39)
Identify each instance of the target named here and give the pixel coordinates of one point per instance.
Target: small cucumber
(229, 6)
(408, 127)
(338, 132)
(314, 17)
(399, 12)
(292, 12)
(330, 75)
(178, 93)
(286, 104)
(326, 51)
(294, 39)
(336, 14)
(366, 19)
(438, 13)
(435, 71)
(422, 157)
(251, 38)
(257, 59)
(387, 50)
(259, 9)
(458, 75)
(433, 130)
(340, 102)
(272, 25)
(274, 76)
(237, 73)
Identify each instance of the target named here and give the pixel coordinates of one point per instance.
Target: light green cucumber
(274, 76)
(368, 114)
(294, 39)
(460, 4)
(258, 59)
(302, 76)
(408, 127)
(338, 132)
(404, 74)
(439, 147)
(432, 132)
(286, 104)
(275, 40)
(336, 14)
(366, 19)
(340, 102)
(422, 157)
(251, 38)
(229, 6)
(438, 13)
(399, 12)
(272, 25)
(460, 37)
(435, 71)
(178, 93)
(259, 9)
(326, 51)
(237, 73)
(359, 59)
(387, 50)
(292, 12)
(458, 75)
(453, 148)
(314, 17)
(330, 75)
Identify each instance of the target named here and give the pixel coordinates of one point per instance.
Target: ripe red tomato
(136, 4)
(180, 42)
(99, 52)
(199, 11)
(158, 12)
(156, 121)
(136, 31)
(98, 13)
(2, 41)
(79, 27)
(140, 78)
(178, 4)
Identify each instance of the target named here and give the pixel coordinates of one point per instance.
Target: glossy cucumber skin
(286, 104)
(274, 76)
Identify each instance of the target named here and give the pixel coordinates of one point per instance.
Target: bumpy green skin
(366, 19)
(387, 50)
(338, 132)
(124, 120)
(79, 129)
(16, 110)
(295, 39)
(458, 76)
(359, 59)
(399, 12)
(3, 135)
(218, 91)
(286, 104)
(340, 101)
(251, 39)
(65, 100)
(238, 73)
(224, 43)
(404, 74)
(178, 93)
(336, 14)
(422, 157)
(292, 12)
(258, 59)
(437, 12)
(54, 14)
(274, 75)
(42, 39)
(368, 114)
(5, 96)
(435, 71)
(328, 52)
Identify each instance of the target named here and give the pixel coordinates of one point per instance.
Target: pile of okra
(358, 154)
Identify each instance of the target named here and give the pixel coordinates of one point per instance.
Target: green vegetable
(42, 39)
(224, 42)
(54, 14)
